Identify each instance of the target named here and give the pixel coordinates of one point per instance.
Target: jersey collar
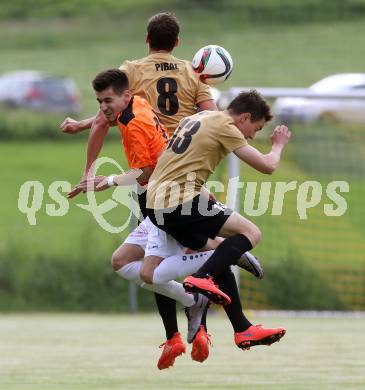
(161, 55)
(127, 115)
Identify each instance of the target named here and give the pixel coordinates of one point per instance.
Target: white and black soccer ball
(213, 64)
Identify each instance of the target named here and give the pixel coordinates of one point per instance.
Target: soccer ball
(212, 64)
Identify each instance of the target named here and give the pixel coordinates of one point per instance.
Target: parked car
(39, 91)
(310, 110)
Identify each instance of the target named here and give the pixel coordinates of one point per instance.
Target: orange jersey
(143, 136)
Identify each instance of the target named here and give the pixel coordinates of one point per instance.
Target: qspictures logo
(122, 198)
(257, 198)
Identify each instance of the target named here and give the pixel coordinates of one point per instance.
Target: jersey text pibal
(166, 66)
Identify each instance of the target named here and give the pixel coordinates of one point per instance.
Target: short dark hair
(114, 78)
(252, 102)
(163, 30)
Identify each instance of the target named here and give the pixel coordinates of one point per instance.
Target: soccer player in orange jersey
(171, 87)
(143, 139)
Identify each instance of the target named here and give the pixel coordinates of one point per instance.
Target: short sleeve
(127, 68)
(231, 138)
(203, 93)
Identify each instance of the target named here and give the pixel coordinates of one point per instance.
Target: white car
(309, 110)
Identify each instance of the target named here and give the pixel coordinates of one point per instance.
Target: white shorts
(153, 240)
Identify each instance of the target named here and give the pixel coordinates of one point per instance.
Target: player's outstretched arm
(133, 176)
(265, 163)
(125, 179)
(95, 183)
(72, 126)
(101, 183)
(97, 134)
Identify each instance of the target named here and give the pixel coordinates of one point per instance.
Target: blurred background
(50, 52)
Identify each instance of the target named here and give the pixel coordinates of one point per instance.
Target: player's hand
(96, 183)
(70, 126)
(75, 191)
(280, 135)
(212, 197)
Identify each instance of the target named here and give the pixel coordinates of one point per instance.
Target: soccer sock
(226, 254)
(167, 309)
(166, 305)
(227, 283)
(179, 266)
(203, 321)
(170, 289)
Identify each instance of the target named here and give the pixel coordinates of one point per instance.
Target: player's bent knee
(118, 261)
(146, 274)
(148, 268)
(253, 234)
(256, 235)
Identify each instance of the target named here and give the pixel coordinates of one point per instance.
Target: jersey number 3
(167, 101)
(180, 142)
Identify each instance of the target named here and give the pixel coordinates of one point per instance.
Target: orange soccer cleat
(200, 349)
(206, 287)
(173, 348)
(257, 335)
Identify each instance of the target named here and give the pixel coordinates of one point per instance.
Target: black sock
(226, 254)
(204, 321)
(227, 283)
(167, 309)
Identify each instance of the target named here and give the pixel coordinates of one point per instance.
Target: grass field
(54, 161)
(76, 352)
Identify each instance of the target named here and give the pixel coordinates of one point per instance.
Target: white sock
(179, 266)
(170, 289)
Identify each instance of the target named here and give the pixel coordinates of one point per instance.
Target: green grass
(47, 162)
(279, 11)
(320, 242)
(76, 352)
(264, 54)
(64, 161)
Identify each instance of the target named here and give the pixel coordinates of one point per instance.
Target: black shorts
(192, 223)
(142, 202)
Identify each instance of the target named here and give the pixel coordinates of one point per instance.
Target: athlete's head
(112, 92)
(250, 111)
(163, 32)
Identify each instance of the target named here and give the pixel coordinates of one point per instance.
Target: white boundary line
(309, 313)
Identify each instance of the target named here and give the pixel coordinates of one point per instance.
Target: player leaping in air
(173, 94)
(181, 92)
(199, 143)
(142, 141)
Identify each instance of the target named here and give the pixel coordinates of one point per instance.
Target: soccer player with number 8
(173, 90)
